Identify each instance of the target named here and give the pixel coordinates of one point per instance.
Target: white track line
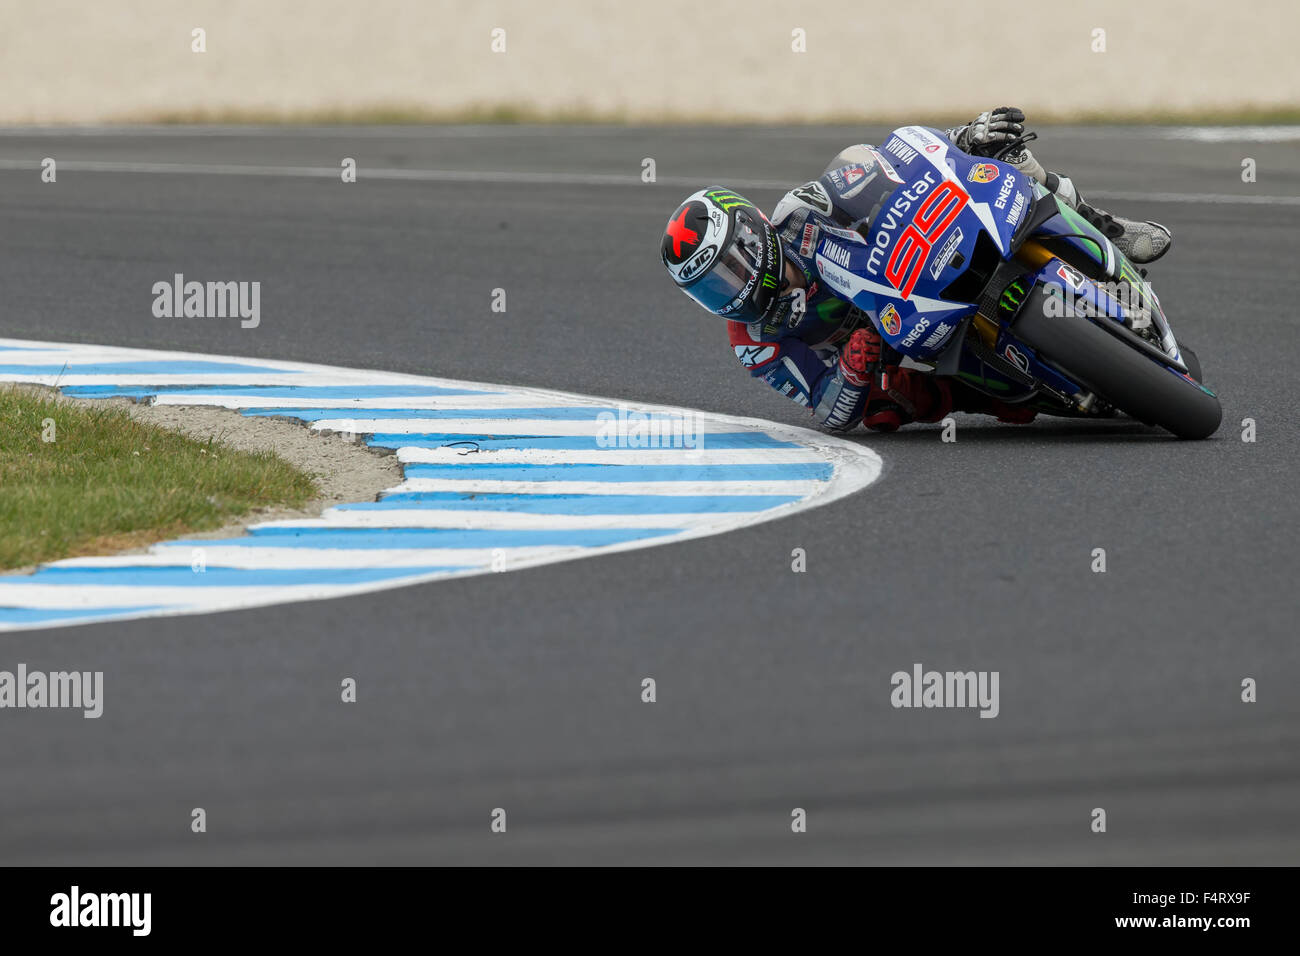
(496, 520)
(541, 427)
(232, 556)
(535, 178)
(503, 486)
(703, 455)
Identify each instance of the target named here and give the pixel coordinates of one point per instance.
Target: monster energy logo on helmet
(727, 199)
(723, 253)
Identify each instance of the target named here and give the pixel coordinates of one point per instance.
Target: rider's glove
(1025, 162)
(859, 356)
(990, 131)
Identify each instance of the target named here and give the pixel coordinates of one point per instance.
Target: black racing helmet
(723, 253)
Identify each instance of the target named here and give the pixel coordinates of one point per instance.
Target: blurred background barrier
(85, 61)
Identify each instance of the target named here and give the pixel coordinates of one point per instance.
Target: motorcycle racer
(789, 328)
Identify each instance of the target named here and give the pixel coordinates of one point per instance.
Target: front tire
(1121, 375)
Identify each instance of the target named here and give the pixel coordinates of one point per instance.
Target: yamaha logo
(836, 254)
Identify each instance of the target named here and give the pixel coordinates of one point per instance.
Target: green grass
(108, 482)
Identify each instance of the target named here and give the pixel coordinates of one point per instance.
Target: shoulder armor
(810, 196)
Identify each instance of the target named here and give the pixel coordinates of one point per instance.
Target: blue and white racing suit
(796, 354)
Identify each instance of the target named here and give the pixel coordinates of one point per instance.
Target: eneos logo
(982, 173)
(889, 320)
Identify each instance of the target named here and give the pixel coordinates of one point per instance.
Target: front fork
(1034, 256)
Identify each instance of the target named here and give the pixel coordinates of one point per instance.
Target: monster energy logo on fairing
(769, 282)
(727, 200)
(1012, 296)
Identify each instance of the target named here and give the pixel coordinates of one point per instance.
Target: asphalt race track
(522, 691)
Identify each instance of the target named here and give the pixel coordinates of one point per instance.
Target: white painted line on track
(665, 488)
(704, 455)
(269, 559)
(539, 178)
(1279, 132)
(1234, 134)
(438, 518)
(503, 425)
(421, 131)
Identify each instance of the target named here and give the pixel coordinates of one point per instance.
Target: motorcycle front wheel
(1123, 376)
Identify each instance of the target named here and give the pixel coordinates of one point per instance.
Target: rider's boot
(1142, 242)
(966, 399)
(930, 398)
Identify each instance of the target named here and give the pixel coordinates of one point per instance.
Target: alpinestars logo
(752, 356)
(815, 195)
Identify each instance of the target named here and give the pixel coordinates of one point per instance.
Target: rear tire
(1121, 375)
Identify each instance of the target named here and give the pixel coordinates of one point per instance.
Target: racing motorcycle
(970, 268)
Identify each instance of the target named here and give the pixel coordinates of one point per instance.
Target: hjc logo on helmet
(697, 263)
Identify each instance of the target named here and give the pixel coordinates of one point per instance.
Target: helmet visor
(745, 277)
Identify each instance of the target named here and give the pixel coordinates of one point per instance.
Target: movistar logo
(726, 199)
